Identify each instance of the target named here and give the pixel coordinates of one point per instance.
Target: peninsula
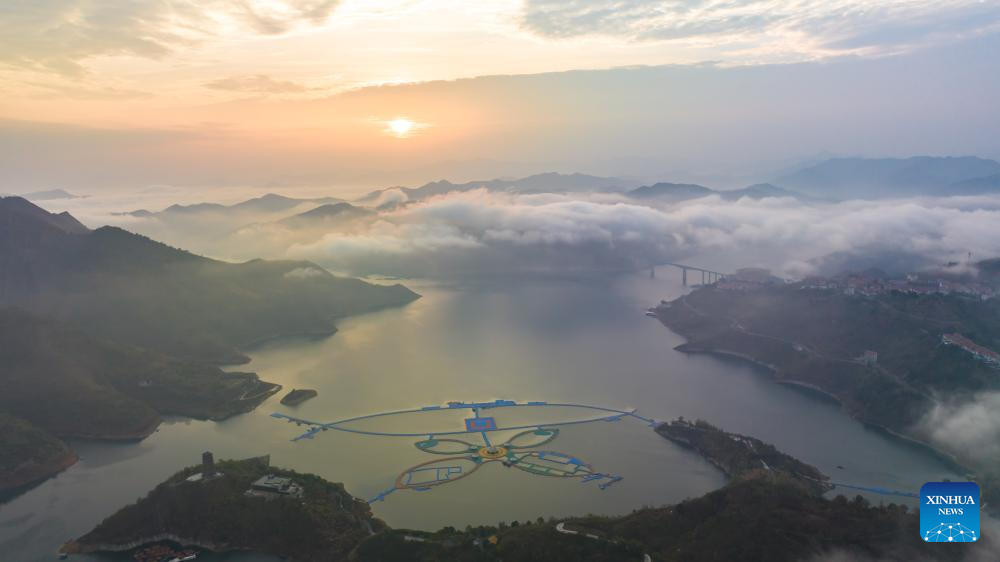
(240, 505)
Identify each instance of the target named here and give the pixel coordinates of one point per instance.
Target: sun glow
(400, 127)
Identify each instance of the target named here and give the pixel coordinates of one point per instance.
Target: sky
(123, 94)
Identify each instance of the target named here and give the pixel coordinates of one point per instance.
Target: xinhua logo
(949, 512)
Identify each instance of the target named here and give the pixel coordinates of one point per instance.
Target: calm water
(552, 340)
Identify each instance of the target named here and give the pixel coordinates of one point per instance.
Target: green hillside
(130, 289)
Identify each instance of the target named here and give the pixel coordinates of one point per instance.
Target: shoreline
(75, 547)
(952, 461)
(40, 474)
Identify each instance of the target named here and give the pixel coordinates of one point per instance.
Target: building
(273, 486)
(208, 464)
(978, 351)
(208, 470)
(869, 357)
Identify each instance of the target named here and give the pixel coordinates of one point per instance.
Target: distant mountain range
(269, 203)
(51, 194)
(868, 178)
(539, 183)
(130, 289)
(677, 192)
(333, 214)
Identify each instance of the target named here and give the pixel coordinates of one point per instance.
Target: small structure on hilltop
(208, 470)
(271, 486)
(869, 358)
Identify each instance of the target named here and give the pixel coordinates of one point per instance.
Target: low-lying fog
(484, 232)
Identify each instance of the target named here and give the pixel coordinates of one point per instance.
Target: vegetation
(73, 385)
(297, 396)
(739, 456)
(58, 381)
(130, 289)
(769, 517)
(325, 524)
(815, 337)
(28, 454)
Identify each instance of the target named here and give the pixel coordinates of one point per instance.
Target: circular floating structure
(463, 458)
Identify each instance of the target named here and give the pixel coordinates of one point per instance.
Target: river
(566, 340)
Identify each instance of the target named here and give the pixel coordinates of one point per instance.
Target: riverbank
(29, 455)
(778, 377)
(879, 357)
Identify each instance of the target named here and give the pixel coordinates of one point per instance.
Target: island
(297, 396)
(240, 505)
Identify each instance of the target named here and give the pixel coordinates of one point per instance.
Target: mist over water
(555, 339)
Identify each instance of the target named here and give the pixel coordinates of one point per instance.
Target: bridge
(707, 275)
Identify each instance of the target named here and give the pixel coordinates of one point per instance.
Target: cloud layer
(789, 27)
(968, 428)
(484, 233)
(58, 35)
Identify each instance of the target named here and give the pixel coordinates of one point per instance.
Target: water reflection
(556, 340)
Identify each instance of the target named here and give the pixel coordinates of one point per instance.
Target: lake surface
(554, 340)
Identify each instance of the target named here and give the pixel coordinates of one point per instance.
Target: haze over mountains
(867, 178)
(552, 223)
(131, 289)
(102, 331)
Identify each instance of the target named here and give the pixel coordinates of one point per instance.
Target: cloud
(305, 273)
(482, 232)
(59, 35)
(256, 83)
(775, 28)
(968, 428)
(391, 198)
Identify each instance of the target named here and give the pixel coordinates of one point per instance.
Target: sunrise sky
(119, 94)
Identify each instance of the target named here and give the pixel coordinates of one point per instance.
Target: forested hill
(131, 289)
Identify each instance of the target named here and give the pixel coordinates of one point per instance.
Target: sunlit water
(555, 340)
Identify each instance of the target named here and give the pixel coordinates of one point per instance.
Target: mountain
(50, 194)
(72, 384)
(60, 382)
(540, 183)
(265, 204)
(677, 192)
(977, 186)
(671, 192)
(20, 216)
(326, 215)
(28, 454)
(130, 289)
(868, 178)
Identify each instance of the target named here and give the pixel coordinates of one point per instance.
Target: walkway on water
(608, 415)
(877, 490)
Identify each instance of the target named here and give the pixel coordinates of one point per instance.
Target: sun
(400, 127)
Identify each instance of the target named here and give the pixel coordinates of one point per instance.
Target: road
(561, 527)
